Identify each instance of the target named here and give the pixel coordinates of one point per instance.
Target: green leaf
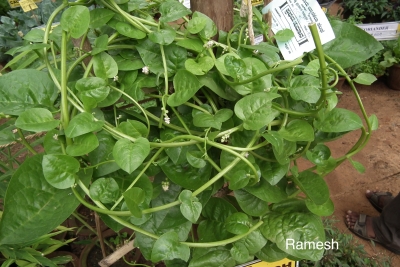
(254, 241)
(103, 153)
(319, 154)
(254, 67)
(185, 175)
(92, 90)
(129, 156)
(357, 165)
(25, 89)
(210, 28)
(130, 31)
(186, 85)
(215, 212)
(339, 120)
(305, 88)
(351, 45)
(133, 128)
(172, 10)
(168, 247)
(266, 192)
(83, 145)
(212, 257)
(314, 186)
(60, 170)
(100, 44)
(284, 35)
(235, 66)
(75, 20)
(240, 253)
(255, 110)
(237, 223)
(195, 45)
(373, 120)
(297, 130)
(81, 124)
(272, 171)
(251, 204)
(222, 90)
(271, 253)
(365, 78)
(190, 207)
(196, 24)
(195, 158)
(105, 190)
(151, 56)
(36, 120)
(175, 58)
(163, 37)
(215, 121)
(34, 35)
(133, 198)
(312, 68)
(104, 66)
(32, 207)
(281, 228)
(326, 209)
(52, 142)
(99, 17)
(201, 67)
(128, 64)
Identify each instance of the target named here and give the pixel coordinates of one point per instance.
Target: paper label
(382, 31)
(258, 39)
(27, 5)
(296, 15)
(281, 263)
(16, 3)
(186, 3)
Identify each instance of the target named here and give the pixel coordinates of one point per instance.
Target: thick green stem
(64, 80)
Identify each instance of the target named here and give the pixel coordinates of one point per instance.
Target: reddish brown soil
(380, 157)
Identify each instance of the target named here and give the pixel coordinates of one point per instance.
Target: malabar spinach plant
(192, 143)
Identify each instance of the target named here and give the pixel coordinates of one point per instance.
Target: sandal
(360, 229)
(374, 199)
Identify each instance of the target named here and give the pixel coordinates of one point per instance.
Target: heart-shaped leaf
(236, 67)
(163, 37)
(81, 124)
(83, 144)
(339, 120)
(92, 90)
(129, 31)
(196, 24)
(99, 17)
(201, 67)
(105, 190)
(104, 66)
(36, 120)
(186, 85)
(195, 158)
(190, 206)
(255, 110)
(75, 20)
(172, 10)
(133, 128)
(60, 170)
(365, 78)
(314, 186)
(129, 156)
(306, 88)
(168, 247)
(297, 130)
(133, 198)
(237, 223)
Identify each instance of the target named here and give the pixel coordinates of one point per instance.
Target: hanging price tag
(297, 15)
(17, 3)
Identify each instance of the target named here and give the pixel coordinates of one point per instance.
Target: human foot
(360, 224)
(378, 199)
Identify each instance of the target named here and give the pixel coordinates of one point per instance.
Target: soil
(380, 157)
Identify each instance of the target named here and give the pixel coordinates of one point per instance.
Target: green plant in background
(349, 253)
(34, 252)
(391, 53)
(371, 66)
(157, 119)
(4, 8)
(16, 23)
(370, 10)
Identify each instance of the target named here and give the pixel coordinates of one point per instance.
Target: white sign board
(186, 3)
(382, 31)
(297, 15)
